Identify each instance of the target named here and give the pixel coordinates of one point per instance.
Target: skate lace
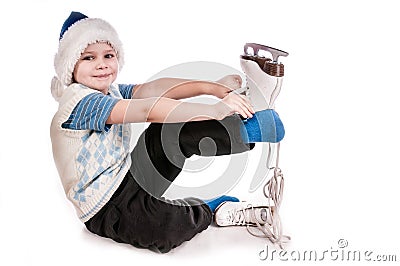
(273, 191)
(275, 92)
(239, 217)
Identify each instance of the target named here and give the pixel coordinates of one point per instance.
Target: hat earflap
(57, 88)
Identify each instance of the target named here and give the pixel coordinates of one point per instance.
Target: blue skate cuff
(264, 126)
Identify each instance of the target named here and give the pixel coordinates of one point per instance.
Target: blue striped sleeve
(91, 113)
(126, 90)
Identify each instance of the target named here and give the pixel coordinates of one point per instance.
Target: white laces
(239, 216)
(273, 191)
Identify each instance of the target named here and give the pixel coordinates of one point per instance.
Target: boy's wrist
(220, 110)
(216, 89)
(206, 88)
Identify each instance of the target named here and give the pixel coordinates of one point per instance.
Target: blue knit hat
(77, 32)
(73, 17)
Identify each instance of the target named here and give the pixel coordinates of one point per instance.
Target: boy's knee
(264, 126)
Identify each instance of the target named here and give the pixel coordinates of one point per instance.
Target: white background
(339, 103)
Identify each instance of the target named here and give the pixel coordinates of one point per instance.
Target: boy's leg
(135, 217)
(161, 150)
(137, 214)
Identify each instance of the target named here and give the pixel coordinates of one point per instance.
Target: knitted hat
(77, 32)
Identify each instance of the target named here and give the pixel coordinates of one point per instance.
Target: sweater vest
(91, 164)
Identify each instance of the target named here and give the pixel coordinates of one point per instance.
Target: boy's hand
(235, 103)
(230, 82)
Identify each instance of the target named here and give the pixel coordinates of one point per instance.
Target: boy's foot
(260, 220)
(243, 214)
(215, 202)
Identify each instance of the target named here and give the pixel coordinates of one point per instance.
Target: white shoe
(260, 220)
(263, 76)
(243, 214)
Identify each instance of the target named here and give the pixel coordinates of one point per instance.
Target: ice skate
(263, 75)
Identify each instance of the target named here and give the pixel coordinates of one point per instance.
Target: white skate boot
(263, 75)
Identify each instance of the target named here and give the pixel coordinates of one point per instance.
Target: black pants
(137, 213)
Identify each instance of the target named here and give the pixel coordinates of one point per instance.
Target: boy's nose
(101, 64)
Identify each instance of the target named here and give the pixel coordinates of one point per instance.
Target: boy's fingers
(245, 112)
(247, 103)
(249, 114)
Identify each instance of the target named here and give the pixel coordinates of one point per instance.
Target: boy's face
(97, 67)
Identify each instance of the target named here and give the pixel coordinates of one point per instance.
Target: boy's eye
(109, 55)
(88, 57)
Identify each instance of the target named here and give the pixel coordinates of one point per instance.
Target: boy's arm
(166, 110)
(176, 88)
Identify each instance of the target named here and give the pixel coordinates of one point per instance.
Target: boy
(117, 192)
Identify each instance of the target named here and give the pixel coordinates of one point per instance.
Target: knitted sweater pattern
(91, 164)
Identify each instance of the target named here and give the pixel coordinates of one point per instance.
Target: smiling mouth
(103, 76)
